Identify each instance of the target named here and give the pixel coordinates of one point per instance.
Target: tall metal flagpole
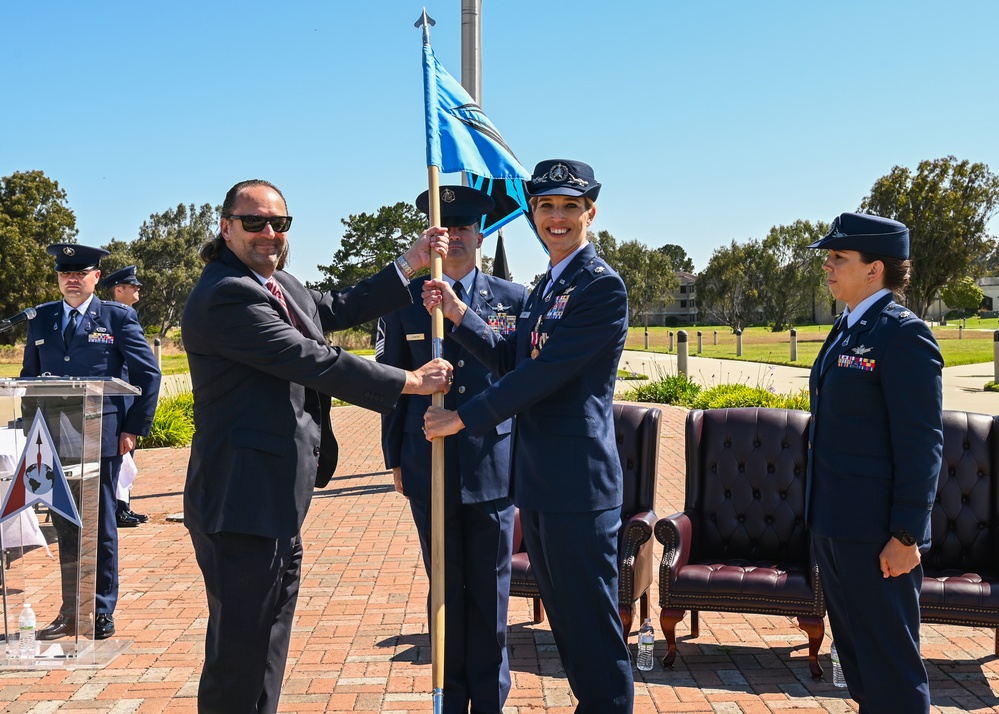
(437, 447)
(471, 67)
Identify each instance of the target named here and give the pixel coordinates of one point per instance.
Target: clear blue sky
(705, 121)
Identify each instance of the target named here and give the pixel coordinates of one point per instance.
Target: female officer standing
(877, 442)
(559, 370)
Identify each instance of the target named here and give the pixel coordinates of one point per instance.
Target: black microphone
(27, 313)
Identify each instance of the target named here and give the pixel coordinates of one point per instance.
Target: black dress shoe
(140, 517)
(62, 626)
(103, 626)
(125, 520)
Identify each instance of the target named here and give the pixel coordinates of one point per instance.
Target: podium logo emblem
(39, 478)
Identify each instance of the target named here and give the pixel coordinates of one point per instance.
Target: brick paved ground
(360, 642)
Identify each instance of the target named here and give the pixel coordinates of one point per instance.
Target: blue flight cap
(125, 276)
(71, 257)
(460, 205)
(562, 177)
(868, 234)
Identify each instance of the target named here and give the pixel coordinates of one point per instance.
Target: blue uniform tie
(67, 335)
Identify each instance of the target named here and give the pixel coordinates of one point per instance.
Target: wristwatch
(904, 537)
(405, 267)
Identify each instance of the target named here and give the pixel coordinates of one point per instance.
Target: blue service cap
(71, 257)
(460, 205)
(125, 276)
(562, 177)
(867, 233)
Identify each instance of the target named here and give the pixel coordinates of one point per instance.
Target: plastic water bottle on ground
(646, 643)
(838, 679)
(26, 624)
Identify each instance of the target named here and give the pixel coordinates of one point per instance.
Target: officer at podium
(81, 336)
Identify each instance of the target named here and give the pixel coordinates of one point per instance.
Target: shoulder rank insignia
(861, 350)
(598, 269)
(905, 313)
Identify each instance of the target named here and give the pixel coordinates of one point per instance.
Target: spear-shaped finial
(426, 22)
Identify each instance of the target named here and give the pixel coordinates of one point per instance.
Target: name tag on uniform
(415, 337)
(101, 337)
(525, 313)
(39, 343)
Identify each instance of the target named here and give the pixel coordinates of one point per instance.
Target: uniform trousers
(478, 548)
(68, 534)
(574, 559)
(252, 586)
(875, 625)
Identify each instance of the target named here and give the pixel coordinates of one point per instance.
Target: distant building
(681, 311)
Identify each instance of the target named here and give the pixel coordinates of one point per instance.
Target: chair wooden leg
(668, 620)
(695, 624)
(539, 611)
(627, 617)
(814, 627)
(643, 605)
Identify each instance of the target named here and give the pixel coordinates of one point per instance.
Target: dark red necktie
(275, 289)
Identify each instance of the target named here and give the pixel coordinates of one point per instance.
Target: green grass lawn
(969, 346)
(972, 345)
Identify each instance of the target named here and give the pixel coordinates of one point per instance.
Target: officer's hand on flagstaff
(441, 422)
(438, 292)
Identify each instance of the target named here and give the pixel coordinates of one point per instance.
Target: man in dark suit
(478, 515)
(263, 376)
(123, 286)
(876, 447)
(81, 336)
(559, 371)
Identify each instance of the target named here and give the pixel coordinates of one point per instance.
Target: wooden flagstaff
(437, 472)
(437, 446)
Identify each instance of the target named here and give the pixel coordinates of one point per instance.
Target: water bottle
(838, 679)
(26, 623)
(646, 642)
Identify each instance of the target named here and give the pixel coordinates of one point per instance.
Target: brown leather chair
(961, 568)
(636, 428)
(740, 544)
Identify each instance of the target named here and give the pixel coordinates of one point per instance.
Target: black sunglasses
(255, 224)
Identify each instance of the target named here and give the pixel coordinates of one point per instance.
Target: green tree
(679, 260)
(725, 289)
(962, 294)
(647, 274)
(605, 244)
(370, 242)
(788, 272)
(946, 205)
(33, 214)
(166, 258)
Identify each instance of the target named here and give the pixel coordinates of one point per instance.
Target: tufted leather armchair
(636, 428)
(961, 568)
(740, 544)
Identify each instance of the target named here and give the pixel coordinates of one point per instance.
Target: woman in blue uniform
(558, 374)
(877, 441)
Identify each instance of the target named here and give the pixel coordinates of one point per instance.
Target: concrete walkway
(962, 386)
(360, 641)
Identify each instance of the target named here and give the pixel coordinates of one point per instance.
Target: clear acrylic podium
(52, 481)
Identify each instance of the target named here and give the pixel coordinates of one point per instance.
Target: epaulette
(899, 312)
(114, 303)
(596, 267)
